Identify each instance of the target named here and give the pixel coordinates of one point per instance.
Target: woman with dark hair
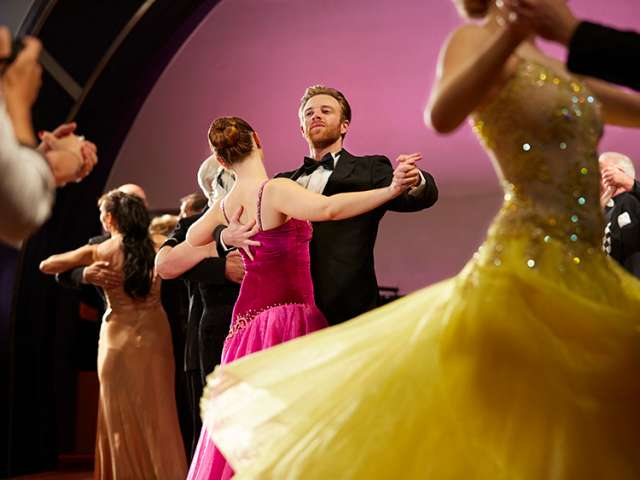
(523, 366)
(138, 435)
(276, 302)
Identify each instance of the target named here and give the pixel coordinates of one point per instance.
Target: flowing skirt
(267, 329)
(514, 369)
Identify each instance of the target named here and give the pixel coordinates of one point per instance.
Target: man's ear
(344, 127)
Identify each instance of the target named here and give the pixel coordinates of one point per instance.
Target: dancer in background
(524, 365)
(276, 302)
(212, 285)
(138, 433)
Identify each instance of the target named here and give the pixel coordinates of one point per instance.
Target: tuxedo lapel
(297, 173)
(344, 168)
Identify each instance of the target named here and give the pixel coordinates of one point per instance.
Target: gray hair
(621, 160)
(215, 181)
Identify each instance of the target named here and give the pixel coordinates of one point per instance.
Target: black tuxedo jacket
(625, 240)
(342, 264)
(605, 53)
(211, 301)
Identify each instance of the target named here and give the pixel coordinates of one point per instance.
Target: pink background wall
(254, 58)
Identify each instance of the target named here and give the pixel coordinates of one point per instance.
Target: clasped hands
(550, 19)
(406, 175)
(70, 157)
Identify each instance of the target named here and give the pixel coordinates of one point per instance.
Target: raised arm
(62, 262)
(171, 262)
(292, 200)
(201, 232)
(619, 107)
(472, 59)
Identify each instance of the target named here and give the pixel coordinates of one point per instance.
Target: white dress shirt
(27, 186)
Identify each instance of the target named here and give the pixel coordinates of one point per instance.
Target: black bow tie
(310, 164)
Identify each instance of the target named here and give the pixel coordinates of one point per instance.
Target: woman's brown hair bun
(231, 138)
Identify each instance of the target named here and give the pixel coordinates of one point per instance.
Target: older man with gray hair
(621, 209)
(214, 180)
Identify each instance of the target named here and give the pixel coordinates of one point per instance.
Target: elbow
(46, 267)
(331, 213)
(161, 270)
(439, 120)
(164, 272)
(192, 238)
(163, 266)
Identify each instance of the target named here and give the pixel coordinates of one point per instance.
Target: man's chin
(321, 142)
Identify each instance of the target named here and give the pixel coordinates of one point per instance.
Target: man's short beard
(325, 140)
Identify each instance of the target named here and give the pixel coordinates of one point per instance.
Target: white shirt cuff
(222, 244)
(417, 190)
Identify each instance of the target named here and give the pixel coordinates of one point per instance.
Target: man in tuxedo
(594, 50)
(342, 261)
(622, 211)
(212, 284)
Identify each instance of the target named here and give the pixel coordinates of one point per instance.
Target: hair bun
(225, 136)
(231, 138)
(230, 134)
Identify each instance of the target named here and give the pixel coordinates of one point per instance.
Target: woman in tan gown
(138, 436)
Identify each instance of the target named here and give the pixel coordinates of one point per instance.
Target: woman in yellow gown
(526, 365)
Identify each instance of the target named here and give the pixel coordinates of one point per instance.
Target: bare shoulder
(279, 184)
(465, 38)
(107, 249)
(279, 181)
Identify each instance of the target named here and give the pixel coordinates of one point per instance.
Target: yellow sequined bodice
(542, 131)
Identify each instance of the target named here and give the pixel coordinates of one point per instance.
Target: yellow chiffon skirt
(511, 370)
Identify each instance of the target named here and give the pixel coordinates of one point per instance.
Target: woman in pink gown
(276, 302)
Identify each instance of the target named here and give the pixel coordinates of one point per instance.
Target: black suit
(342, 263)
(624, 224)
(636, 189)
(211, 301)
(605, 53)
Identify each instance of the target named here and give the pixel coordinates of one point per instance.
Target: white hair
(215, 181)
(621, 160)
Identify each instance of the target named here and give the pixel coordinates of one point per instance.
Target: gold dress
(138, 435)
(526, 365)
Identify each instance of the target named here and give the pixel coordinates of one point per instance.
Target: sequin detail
(548, 166)
(242, 321)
